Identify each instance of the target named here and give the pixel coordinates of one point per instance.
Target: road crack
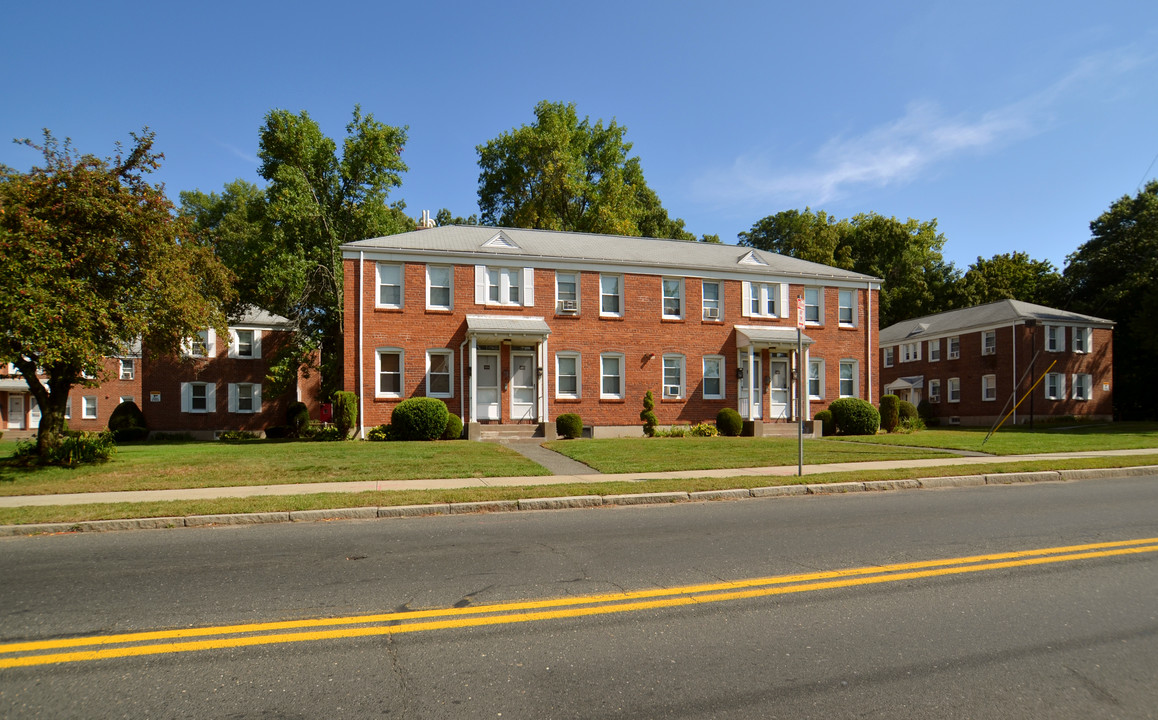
(1095, 689)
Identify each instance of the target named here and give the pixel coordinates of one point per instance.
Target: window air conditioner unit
(711, 313)
(568, 306)
(671, 391)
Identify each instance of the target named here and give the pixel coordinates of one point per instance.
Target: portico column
(544, 382)
(473, 378)
(751, 384)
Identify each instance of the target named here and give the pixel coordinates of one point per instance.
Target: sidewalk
(592, 477)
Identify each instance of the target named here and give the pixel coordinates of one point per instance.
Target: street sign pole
(801, 379)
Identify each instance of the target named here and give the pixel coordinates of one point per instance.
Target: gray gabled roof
(485, 243)
(979, 317)
(252, 315)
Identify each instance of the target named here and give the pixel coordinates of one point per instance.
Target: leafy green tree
(284, 242)
(1112, 275)
(1010, 275)
(95, 258)
(446, 217)
(906, 255)
(563, 173)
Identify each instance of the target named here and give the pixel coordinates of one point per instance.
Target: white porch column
(545, 382)
(751, 384)
(473, 405)
(807, 368)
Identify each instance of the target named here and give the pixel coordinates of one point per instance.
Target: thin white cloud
(247, 157)
(903, 150)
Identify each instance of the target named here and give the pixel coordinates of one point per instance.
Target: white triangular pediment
(751, 258)
(500, 240)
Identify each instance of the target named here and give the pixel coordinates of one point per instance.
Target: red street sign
(799, 313)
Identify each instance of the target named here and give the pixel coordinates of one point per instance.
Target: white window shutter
(211, 343)
(234, 343)
(746, 302)
(186, 397)
(232, 397)
(211, 397)
(480, 284)
(257, 398)
(257, 343)
(784, 311)
(528, 287)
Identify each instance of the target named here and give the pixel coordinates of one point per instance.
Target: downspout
(462, 382)
(1013, 341)
(361, 364)
(870, 351)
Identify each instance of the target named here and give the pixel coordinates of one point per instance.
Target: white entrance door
(523, 386)
(33, 413)
(486, 404)
(778, 390)
(757, 383)
(15, 411)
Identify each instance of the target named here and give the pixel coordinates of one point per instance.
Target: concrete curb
(582, 501)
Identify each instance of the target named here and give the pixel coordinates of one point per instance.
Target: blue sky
(1014, 124)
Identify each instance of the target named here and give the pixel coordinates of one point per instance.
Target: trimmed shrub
(345, 412)
(647, 415)
(890, 415)
(906, 410)
(703, 430)
(911, 425)
(925, 410)
(127, 422)
(297, 419)
(74, 449)
(277, 432)
(729, 422)
(420, 418)
(381, 433)
(827, 426)
(854, 416)
(453, 429)
(329, 433)
(236, 435)
(569, 425)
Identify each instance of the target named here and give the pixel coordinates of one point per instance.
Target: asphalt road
(1062, 634)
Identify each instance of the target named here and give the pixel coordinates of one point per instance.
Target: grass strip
(323, 501)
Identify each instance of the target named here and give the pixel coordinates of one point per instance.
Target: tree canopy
(1010, 275)
(96, 259)
(563, 173)
(1112, 275)
(284, 242)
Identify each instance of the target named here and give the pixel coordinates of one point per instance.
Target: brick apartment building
(215, 384)
(974, 365)
(511, 326)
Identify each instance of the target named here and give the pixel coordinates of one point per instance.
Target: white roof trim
(500, 240)
(751, 258)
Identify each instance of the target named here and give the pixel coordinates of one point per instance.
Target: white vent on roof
(501, 241)
(751, 258)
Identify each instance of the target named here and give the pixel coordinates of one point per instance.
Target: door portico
(524, 379)
(752, 342)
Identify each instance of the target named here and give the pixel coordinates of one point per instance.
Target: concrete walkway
(557, 463)
(587, 477)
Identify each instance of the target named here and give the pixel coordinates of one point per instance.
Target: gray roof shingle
(1002, 312)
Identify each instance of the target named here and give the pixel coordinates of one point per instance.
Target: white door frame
(525, 410)
(15, 411)
(756, 382)
(779, 410)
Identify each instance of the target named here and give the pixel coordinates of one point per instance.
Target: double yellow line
(101, 647)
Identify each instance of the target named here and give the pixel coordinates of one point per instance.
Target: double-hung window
(198, 397)
(889, 354)
(1055, 338)
(989, 342)
(389, 285)
(128, 368)
(911, 352)
(439, 287)
(813, 306)
(988, 388)
(1055, 386)
(815, 379)
(763, 299)
(611, 295)
(389, 372)
(1082, 338)
(611, 376)
(567, 375)
(954, 347)
(439, 373)
(954, 390)
(245, 344)
(90, 407)
(934, 350)
(848, 378)
(846, 312)
(1083, 386)
(711, 301)
(201, 344)
(673, 376)
(934, 391)
(244, 397)
(673, 298)
(713, 377)
(566, 292)
(503, 285)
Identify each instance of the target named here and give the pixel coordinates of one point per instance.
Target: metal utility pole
(801, 381)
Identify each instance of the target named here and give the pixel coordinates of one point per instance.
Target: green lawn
(619, 455)
(317, 501)
(162, 466)
(1023, 441)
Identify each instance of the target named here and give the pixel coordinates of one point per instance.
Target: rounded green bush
(127, 415)
(420, 418)
(297, 418)
(854, 416)
(729, 422)
(569, 425)
(345, 412)
(906, 410)
(890, 415)
(380, 433)
(926, 411)
(453, 428)
(277, 432)
(827, 426)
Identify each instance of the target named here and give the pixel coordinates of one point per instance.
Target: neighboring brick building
(974, 365)
(561, 322)
(213, 385)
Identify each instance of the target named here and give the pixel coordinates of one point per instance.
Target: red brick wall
(972, 365)
(637, 335)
